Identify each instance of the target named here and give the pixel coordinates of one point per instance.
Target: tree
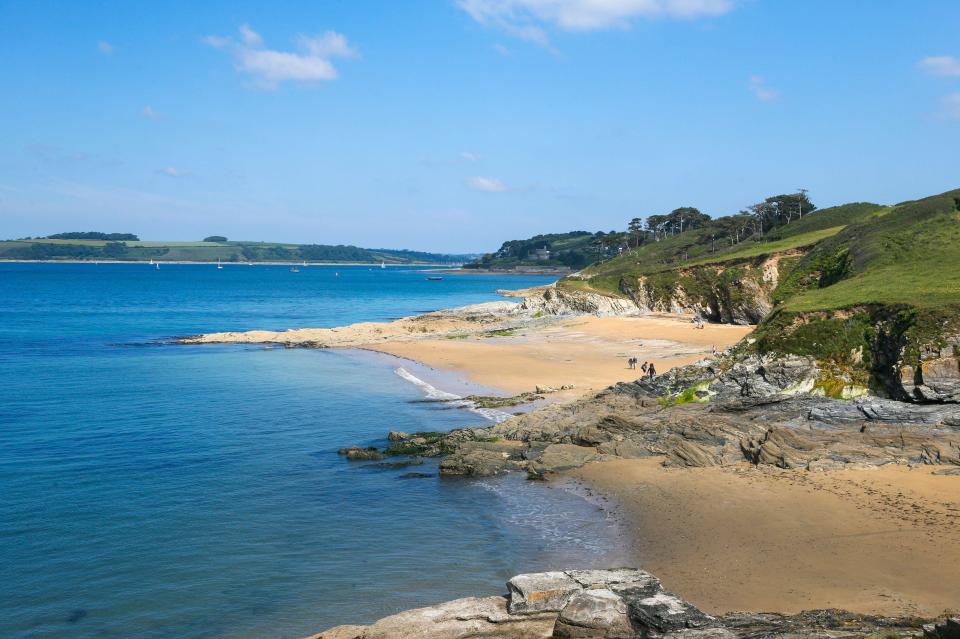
(215, 238)
(114, 249)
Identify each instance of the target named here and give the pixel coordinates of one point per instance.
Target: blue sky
(455, 125)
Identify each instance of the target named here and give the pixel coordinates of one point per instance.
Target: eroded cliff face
(903, 352)
(737, 292)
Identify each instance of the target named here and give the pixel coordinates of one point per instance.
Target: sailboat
(157, 265)
(383, 265)
(219, 265)
(151, 262)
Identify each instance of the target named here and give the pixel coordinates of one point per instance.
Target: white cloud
(270, 68)
(502, 50)
(526, 19)
(174, 172)
(469, 156)
(105, 47)
(759, 88)
(149, 113)
(250, 37)
(951, 104)
(942, 65)
(486, 184)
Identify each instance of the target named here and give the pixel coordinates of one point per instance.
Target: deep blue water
(154, 491)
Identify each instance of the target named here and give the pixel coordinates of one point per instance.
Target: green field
(231, 251)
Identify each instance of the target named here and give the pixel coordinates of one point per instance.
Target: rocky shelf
(620, 603)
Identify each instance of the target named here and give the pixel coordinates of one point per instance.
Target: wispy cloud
(529, 19)
(759, 88)
(486, 184)
(270, 68)
(149, 113)
(174, 172)
(105, 47)
(469, 156)
(942, 65)
(501, 49)
(951, 105)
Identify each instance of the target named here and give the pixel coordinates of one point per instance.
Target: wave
(433, 393)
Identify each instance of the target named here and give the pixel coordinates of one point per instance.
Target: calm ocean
(161, 491)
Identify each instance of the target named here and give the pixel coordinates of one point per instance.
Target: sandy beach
(880, 541)
(589, 353)
(883, 541)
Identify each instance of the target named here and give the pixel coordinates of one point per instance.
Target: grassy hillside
(871, 290)
(66, 249)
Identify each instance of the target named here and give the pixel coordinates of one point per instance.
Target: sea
(153, 490)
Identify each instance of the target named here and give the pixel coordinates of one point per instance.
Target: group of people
(649, 370)
(698, 323)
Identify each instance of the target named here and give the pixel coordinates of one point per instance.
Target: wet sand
(883, 541)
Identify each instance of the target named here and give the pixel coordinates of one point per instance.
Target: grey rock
(947, 629)
(558, 457)
(662, 612)
(594, 614)
(397, 435)
(949, 472)
(541, 592)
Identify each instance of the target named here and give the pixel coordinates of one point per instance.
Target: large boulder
(541, 592)
(558, 457)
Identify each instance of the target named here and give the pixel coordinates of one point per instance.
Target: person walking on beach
(644, 367)
(651, 371)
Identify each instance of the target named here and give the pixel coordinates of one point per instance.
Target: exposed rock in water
(613, 604)
(355, 453)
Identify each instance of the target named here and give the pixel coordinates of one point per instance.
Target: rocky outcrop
(764, 411)
(609, 604)
(936, 378)
(559, 300)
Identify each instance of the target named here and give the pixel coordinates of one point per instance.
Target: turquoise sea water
(150, 490)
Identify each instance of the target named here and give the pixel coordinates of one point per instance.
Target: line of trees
(94, 235)
(755, 220)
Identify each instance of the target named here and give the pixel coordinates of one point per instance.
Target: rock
(622, 603)
(397, 435)
(557, 457)
(825, 465)
(477, 461)
(463, 619)
(541, 592)
(596, 613)
(355, 453)
(543, 390)
(947, 629)
(950, 472)
(415, 475)
(663, 612)
(342, 632)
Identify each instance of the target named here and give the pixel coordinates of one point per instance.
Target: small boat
(434, 278)
(151, 262)
(158, 266)
(294, 270)
(383, 265)
(219, 265)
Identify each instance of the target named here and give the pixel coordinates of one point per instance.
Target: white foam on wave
(432, 392)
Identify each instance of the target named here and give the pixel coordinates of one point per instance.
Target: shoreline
(725, 536)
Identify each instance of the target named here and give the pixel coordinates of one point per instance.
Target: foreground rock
(608, 604)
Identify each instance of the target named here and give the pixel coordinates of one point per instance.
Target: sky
(454, 125)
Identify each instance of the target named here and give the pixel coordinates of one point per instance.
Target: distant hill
(117, 246)
(573, 250)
